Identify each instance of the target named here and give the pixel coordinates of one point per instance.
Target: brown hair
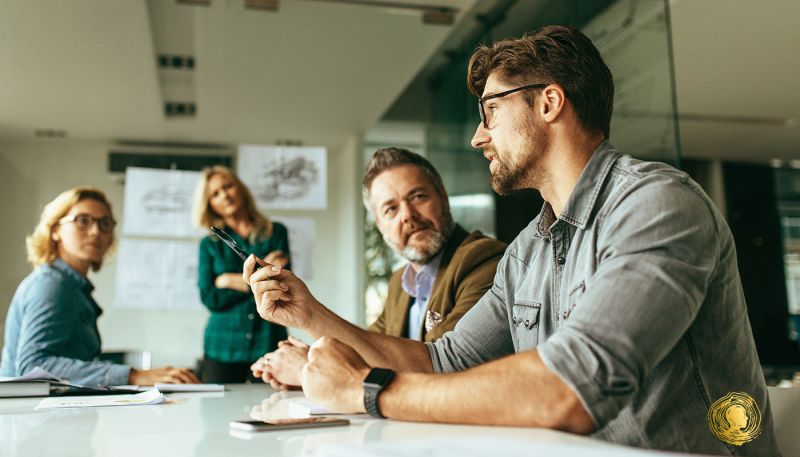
(40, 245)
(204, 216)
(386, 158)
(556, 54)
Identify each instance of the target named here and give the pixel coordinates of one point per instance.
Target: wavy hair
(204, 216)
(40, 245)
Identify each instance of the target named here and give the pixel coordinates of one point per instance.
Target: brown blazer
(466, 272)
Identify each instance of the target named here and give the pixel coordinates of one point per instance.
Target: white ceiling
(318, 72)
(312, 71)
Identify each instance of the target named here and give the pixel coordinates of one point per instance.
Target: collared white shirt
(419, 286)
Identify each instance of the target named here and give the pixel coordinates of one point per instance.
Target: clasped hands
(331, 373)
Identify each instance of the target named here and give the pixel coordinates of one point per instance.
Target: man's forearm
(517, 390)
(399, 354)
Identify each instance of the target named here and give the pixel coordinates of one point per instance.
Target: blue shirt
(52, 323)
(419, 286)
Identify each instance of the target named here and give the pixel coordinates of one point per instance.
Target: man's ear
(553, 101)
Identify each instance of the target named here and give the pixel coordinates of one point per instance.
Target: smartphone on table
(231, 243)
(287, 424)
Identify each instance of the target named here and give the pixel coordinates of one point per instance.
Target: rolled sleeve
(656, 253)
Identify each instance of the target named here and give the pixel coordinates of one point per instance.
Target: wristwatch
(374, 383)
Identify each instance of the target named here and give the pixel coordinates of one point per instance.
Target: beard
(510, 177)
(433, 245)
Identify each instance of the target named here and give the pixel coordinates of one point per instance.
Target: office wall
(33, 172)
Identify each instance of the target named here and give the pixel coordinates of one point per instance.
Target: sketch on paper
(159, 203)
(285, 177)
(301, 244)
(157, 274)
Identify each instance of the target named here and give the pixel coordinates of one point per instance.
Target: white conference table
(197, 424)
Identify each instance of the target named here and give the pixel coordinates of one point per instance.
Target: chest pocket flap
(526, 314)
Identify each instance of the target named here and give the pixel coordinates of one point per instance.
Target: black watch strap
(376, 381)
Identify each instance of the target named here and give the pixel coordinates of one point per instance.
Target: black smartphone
(287, 424)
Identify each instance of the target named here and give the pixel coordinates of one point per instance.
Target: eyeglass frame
(95, 220)
(481, 110)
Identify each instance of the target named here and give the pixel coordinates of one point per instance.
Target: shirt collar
(426, 275)
(584, 195)
(73, 275)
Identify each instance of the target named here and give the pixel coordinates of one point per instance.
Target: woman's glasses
(84, 222)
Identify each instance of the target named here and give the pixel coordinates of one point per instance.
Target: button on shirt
(632, 297)
(419, 286)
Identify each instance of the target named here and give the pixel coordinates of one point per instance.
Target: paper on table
(150, 397)
(482, 446)
(303, 407)
(37, 374)
(167, 388)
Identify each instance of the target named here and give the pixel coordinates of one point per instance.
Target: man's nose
(481, 137)
(407, 212)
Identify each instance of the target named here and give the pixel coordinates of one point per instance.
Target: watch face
(379, 376)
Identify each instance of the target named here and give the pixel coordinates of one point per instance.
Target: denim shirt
(632, 297)
(419, 286)
(52, 323)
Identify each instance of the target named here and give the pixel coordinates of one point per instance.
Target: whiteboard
(284, 177)
(157, 274)
(159, 203)
(301, 243)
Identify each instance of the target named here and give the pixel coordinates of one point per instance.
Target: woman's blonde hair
(40, 245)
(204, 216)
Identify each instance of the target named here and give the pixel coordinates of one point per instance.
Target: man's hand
(281, 297)
(283, 368)
(334, 376)
(167, 375)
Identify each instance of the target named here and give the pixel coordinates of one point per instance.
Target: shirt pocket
(525, 317)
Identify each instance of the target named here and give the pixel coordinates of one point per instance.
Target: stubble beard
(432, 248)
(507, 179)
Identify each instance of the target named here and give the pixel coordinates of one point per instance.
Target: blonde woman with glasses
(52, 320)
(235, 335)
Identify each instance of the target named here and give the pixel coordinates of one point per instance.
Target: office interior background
(709, 86)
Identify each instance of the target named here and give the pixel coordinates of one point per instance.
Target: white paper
(37, 374)
(169, 388)
(157, 274)
(284, 177)
(302, 231)
(302, 407)
(481, 446)
(150, 397)
(159, 203)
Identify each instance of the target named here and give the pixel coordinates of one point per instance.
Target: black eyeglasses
(84, 222)
(486, 118)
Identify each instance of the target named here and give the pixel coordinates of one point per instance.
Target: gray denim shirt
(52, 323)
(633, 298)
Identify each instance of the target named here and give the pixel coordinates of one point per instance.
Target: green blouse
(235, 332)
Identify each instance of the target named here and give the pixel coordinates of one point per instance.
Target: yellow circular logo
(735, 418)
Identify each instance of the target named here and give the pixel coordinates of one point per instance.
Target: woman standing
(235, 335)
(52, 321)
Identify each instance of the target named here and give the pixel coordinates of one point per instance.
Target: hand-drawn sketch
(301, 243)
(159, 202)
(288, 177)
(157, 274)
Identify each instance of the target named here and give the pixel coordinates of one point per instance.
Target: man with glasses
(448, 269)
(618, 311)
